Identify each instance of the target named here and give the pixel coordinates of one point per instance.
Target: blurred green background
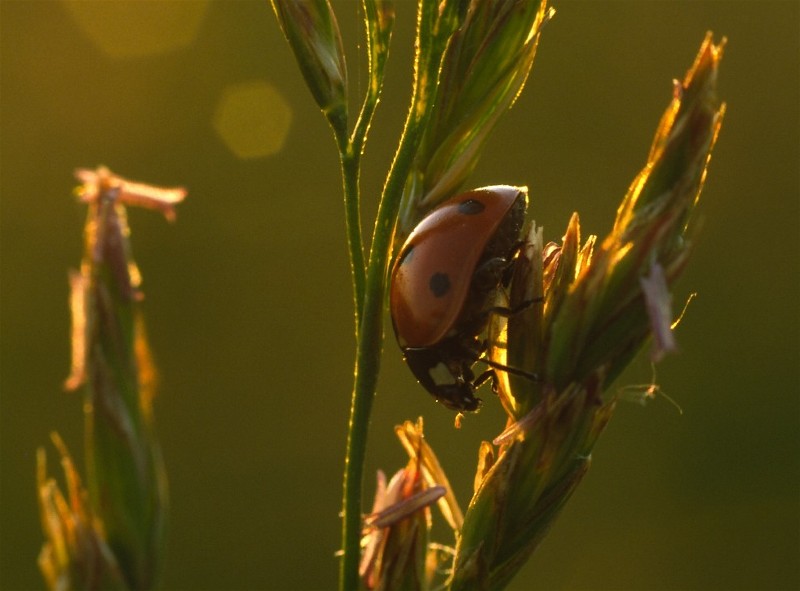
(249, 301)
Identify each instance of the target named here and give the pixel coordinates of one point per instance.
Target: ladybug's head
(448, 380)
(459, 397)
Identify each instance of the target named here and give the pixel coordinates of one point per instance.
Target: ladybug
(443, 285)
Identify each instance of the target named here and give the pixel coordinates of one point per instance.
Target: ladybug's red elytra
(443, 285)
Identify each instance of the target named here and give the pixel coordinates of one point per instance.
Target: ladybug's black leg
(504, 266)
(512, 370)
(508, 273)
(472, 349)
(466, 373)
(489, 373)
(475, 350)
(497, 270)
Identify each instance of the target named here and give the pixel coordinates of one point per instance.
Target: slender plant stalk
(350, 161)
(368, 354)
(379, 21)
(311, 29)
(370, 333)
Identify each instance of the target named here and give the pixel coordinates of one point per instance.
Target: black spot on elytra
(439, 284)
(471, 207)
(406, 255)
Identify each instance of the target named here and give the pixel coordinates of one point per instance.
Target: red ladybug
(443, 286)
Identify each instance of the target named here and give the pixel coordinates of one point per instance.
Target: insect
(443, 286)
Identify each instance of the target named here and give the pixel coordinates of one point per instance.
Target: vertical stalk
(368, 354)
(435, 25)
(350, 162)
(350, 150)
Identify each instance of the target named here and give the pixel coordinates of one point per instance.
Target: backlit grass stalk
(480, 52)
(114, 536)
(434, 28)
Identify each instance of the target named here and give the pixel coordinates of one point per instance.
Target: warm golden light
(253, 119)
(136, 29)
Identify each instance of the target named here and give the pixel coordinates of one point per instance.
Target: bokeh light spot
(253, 119)
(136, 29)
